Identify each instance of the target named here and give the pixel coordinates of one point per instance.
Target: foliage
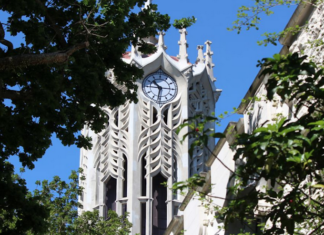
(250, 17)
(184, 22)
(27, 213)
(288, 154)
(58, 203)
(193, 182)
(89, 223)
(61, 199)
(198, 132)
(64, 101)
(55, 83)
(49, 94)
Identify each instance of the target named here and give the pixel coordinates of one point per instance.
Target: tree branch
(3, 41)
(13, 62)
(9, 94)
(314, 231)
(229, 169)
(57, 30)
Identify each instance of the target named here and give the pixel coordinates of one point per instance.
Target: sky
(235, 58)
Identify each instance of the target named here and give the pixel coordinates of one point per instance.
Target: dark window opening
(165, 116)
(97, 183)
(175, 175)
(191, 171)
(175, 210)
(154, 117)
(159, 210)
(143, 218)
(143, 175)
(110, 199)
(124, 208)
(116, 119)
(107, 124)
(125, 176)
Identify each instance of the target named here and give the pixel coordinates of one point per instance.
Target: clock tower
(139, 149)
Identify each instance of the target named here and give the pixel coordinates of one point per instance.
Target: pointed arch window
(110, 197)
(159, 206)
(125, 174)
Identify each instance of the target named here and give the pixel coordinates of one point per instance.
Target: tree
(184, 22)
(89, 223)
(287, 153)
(60, 200)
(19, 211)
(55, 83)
(249, 17)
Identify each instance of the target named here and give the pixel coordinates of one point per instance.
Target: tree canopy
(59, 198)
(287, 153)
(55, 83)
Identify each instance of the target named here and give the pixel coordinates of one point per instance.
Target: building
(195, 219)
(139, 148)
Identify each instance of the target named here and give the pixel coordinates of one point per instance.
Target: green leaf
(318, 186)
(217, 135)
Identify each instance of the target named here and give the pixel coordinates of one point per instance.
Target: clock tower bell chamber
(139, 148)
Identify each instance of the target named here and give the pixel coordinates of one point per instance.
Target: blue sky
(235, 58)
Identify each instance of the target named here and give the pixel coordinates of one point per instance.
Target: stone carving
(114, 142)
(209, 61)
(158, 140)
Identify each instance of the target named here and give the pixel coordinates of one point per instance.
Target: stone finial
(133, 51)
(183, 56)
(148, 2)
(200, 58)
(161, 40)
(209, 61)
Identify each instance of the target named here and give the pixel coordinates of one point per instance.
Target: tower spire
(200, 58)
(148, 2)
(183, 56)
(161, 40)
(209, 61)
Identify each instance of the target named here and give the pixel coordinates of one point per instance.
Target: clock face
(160, 87)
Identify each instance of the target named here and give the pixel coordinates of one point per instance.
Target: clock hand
(153, 87)
(160, 93)
(157, 84)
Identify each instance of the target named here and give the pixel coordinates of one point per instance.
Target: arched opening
(143, 179)
(110, 199)
(175, 176)
(154, 115)
(125, 176)
(159, 210)
(97, 183)
(116, 117)
(143, 218)
(143, 193)
(165, 116)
